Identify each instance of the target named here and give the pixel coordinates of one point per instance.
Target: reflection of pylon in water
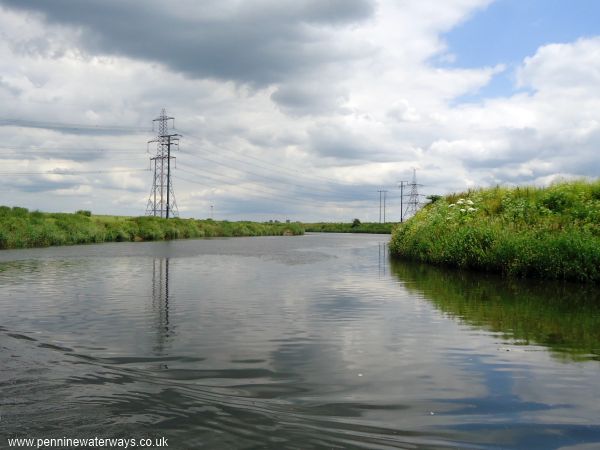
(412, 206)
(160, 301)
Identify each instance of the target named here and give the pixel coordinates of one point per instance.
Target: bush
(19, 212)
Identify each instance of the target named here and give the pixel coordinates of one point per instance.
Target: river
(315, 341)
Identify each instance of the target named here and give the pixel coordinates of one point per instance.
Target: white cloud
(359, 103)
(559, 67)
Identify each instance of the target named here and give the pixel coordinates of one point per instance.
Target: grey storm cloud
(332, 143)
(257, 43)
(44, 154)
(13, 90)
(344, 144)
(80, 129)
(37, 184)
(302, 100)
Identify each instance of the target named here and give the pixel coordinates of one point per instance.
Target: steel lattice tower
(162, 197)
(412, 206)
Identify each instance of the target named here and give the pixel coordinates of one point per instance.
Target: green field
(551, 232)
(340, 227)
(20, 228)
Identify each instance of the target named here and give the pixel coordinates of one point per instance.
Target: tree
(355, 223)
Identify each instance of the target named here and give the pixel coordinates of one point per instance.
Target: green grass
(551, 232)
(332, 227)
(20, 228)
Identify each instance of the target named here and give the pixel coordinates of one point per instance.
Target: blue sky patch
(508, 31)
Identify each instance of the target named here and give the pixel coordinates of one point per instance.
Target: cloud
(554, 128)
(316, 104)
(257, 42)
(310, 99)
(40, 184)
(8, 87)
(72, 128)
(339, 142)
(560, 67)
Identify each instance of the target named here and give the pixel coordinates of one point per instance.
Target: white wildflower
(469, 202)
(463, 210)
(471, 209)
(451, 206)
(460, 201)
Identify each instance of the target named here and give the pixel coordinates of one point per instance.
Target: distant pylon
(401, 185)
(162, 197)
(384, 192)
(412, 206)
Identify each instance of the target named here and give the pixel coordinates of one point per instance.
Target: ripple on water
(314, 342)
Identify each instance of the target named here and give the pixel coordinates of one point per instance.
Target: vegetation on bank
(20, 228)
(551, 232)
(562, 316)
(353, 227)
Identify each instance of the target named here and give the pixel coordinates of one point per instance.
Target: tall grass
(551, 232)
(20, 228)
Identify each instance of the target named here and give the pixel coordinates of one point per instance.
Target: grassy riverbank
(332, 227)
(20, 228)
(551, 232)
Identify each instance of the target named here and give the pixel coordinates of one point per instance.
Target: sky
(294, 109)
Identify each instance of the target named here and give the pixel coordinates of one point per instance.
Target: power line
(259, 163)
(284, 183)
(280, 180)
(30, 149)
(75, 172)
(90, 151)
(328, 188)
(252, 190)
(294, 173)
(256, 191)
(259, 193)
(27, 123)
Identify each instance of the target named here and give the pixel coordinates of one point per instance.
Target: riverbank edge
(342, 227)
(527, 232)
(20, 228)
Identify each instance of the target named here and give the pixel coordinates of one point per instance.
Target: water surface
(316, 341)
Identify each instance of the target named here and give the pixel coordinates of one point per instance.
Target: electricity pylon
(162, 197)
(412, 206)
